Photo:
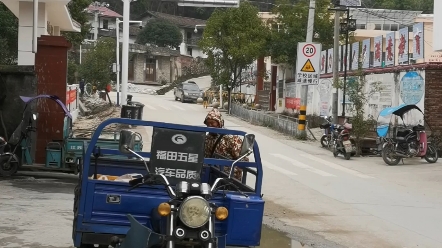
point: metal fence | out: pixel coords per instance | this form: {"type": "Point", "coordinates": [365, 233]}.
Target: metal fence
{"type": "Point", "coordinates": [283, 124]}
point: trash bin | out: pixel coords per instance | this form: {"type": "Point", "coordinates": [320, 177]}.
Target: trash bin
{"type": "Point", "coordinates": [130, 111]}
{"type": "Point", "coordinates": [103, 95]}
{"type": "Point", "coordinates": [140, 106]}
{"type": "Point", "coordinates": [129, 98]}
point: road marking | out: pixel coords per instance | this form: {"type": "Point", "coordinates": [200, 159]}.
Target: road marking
{"type": "Point", "coordinates": [149, 107]}
{"type": "Point", "coordinates": [178, 107]}
{"type": "Point", "coordinates": [166, 108]}
{"type": "Point", "coordinates": [303, 166]}
{"type": "Point", "coordinates": [336, 166]}
{"type": "Point", "coordinates": [276, 168]}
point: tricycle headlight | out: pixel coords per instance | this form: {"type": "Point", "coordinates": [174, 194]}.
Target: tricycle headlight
{"type": "Point", "coordinates": [194, 212]}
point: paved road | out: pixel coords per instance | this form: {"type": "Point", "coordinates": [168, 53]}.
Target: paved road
{"type": "Point", "coordinates": [328, 201]}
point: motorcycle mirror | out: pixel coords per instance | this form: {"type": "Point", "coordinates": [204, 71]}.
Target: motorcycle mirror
{"type": "Point", "coordinates": [126, 144]}
{"type": "Point", "coordinates": [127, 141]}
{"type": "Point", "coordinates": [247, 144]}
{"type": "Point", "coordinates": [34, 117]}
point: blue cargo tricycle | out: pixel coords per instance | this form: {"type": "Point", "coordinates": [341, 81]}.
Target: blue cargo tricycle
{"type": "Point", "coordinates": [169, 197]}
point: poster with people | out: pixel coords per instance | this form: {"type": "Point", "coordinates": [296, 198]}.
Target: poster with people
{"type": "Point", "coordinates": [341, 58]}
{"type": "Point", "coordinates": [347, 59]}
{"type": "Point", "coordinates": [330, 60]}
{"type": "Point", "coordinates": [355, 56]}
{"type": "Point", "coordinates": [365, 53]}
{"type": "Point", "coordinates": [390, 50]}
{"type": "Point", "coordinates": [418, 41]}
{"type": "Point", "coordinates": [403, 46]}
{"type": "Point", "coordinates": [378, 49]}
{"type": "Point", "coordinates": [323, 61]}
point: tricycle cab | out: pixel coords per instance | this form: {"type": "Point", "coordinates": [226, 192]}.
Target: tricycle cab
{"type": "Point", "coordinates": [101, 207]}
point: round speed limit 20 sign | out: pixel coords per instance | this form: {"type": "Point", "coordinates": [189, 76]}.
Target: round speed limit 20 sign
{"type": "Point", "coordinates": [309, 50]}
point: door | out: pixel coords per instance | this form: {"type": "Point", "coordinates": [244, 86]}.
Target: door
{"type": "Point", "coordinates": [149, 72]}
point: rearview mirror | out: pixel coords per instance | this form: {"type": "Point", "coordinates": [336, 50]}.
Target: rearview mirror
{"type": "Point", "coordinates": [126, 144]}
{"type": "Point", "coordinates": [247, 144]}
{"type": "Point", "coordinates": [127, 141]}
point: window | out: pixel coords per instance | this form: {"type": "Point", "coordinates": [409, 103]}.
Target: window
{"type": "Point", "coordinates": [90, 36]}
{"type": "Point", "coordinates": [189, 35]}
{"type": "Point", "coordinates": [360, 26]}
{"type": "Point", "coordinates": [394, 27]}
{"type": "Point", "coordinates": [386, 27]}
{"type": "Point", "coordinates": [105, 24]}
{"type": "Point", "coordinates": [189, 51]}
{"type": "Point", "coordinates": [378, 27]}
{"type": "Point", "coordinates": [191, 87]}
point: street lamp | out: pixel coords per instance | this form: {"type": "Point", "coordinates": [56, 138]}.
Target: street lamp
{"type": "Point", "coordinates": [96, 11]}
{"type": "Point", "coordinates": [198, 25]}
{"type": "Point", "coordinates": [346, 27]}
{"type": "Point", "coordinates": [118, 55]}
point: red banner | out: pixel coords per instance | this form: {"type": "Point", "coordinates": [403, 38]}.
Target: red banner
{"type": "Point", "coordinates": [71, 95]}
{"type": "Point", "coordinates": [292, 103]}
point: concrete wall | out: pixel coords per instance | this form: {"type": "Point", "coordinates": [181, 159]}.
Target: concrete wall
{"type": "Point", "coordinates": [15, 81]}
{"type": "Point", "coordinates": [397, 88]}
{"type": "Point", "coordinates": [139, 66]}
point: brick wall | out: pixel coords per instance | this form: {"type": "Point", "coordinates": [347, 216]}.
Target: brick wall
{"type": "Point", "coordinates": [433, 96]}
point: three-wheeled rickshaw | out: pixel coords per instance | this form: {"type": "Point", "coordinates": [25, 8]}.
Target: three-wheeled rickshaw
{"type": "Point", "coordinates": [401, 132]}
{"type": "Point", "coordinates": [169, 197]}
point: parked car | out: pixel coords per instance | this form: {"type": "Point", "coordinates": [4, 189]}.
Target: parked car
{"type": "Point", "coordinates": [187, 91]}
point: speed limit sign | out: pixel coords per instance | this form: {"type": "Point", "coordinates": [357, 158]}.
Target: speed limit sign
{"type": "Point", "coordinates": [307, 63]}
{"type": "Point", "coordinates": [309, 50]}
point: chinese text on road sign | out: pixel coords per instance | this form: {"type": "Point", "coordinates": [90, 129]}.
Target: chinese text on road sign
{"type": "Point", "coordinates": [307, 64]}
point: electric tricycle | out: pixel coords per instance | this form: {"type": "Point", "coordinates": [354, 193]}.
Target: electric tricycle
{"type": "Point", "coordinates": [408, 138]}
{"type": "Point", "coordinates": [17, 152]}
{"type": "Point", "coordinates": [173, 197]}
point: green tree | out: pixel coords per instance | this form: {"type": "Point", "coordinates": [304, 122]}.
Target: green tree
{"type": "Point", "coordinates": [8, 36]}
{"type": "Point", "coordinates": [161, 33]}
{"type": "Point", "coordinates": [76, 9]}
{"type": "Point", "coordinates": [290, 27]}
{"type": "Point", "coordinates": [96, 66]}
{"type": "Point", "coordinates": [358, 94]}
{"type": "Point", "coordinates": [426, 6]}
{"type": "Point", "coordinates": [233, 39]}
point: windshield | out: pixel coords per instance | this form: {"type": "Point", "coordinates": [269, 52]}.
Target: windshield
{"type": "Point", "coordinates": [191, 87]}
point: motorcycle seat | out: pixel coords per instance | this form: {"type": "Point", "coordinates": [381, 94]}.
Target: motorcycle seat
{"type": "Point", "coordinates": [400, 138]}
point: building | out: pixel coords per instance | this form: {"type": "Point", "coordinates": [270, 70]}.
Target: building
{"type": "Point", "coordinates": [187, 26]}
{"type": "Point", "coordinates": [103, 18]}
{"type": "Point", "coordinates": [53, 18]}
{"type": "Point", "coordinates": [147, 64]}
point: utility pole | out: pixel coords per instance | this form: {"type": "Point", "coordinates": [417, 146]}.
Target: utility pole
{"type": "Point", "coordinates": [125, 52]}
{"type": "Point", "coordinates": [336, 66]}
{"type": "Point", "coordinates": [304, 88]}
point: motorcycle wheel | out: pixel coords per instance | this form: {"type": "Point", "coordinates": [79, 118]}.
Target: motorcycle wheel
{"type": "Point", "coordinates": [347, 155]}
{"type": "Point", "coordinates": [431, 156]}
{"type": "Point", "coordinates": [335, 151]}
{"type": "Point", "coordinates": [387, 158]}
{"type": "Point", "coordinates": [8, 169]}
{"type": "Point", "coordinates": [325, 141]}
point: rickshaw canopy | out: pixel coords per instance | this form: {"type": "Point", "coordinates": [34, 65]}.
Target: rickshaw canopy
{"type": "Point", "coordinates": [386, 114]}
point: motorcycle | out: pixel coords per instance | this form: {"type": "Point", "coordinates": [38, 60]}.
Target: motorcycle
{"type": "Point", "coordinates": [408, 140]}
{"type": "Point", "coordinates": [341, 141]}
{"type": "Point", "coordinates": [190, 215]}
{"type": "Point", "coordinates": [328, 127]}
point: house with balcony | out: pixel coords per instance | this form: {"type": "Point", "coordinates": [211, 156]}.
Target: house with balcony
{"type": "Point", "coordinates": [187, 26]}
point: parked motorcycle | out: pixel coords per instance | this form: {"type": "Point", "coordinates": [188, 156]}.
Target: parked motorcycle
{"type": "Point", "coordinates": [409, 141]}
{"type": "Point", "coordinates": [328, 127]}
{"type": "Point", "coordinates": [341, 141]}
